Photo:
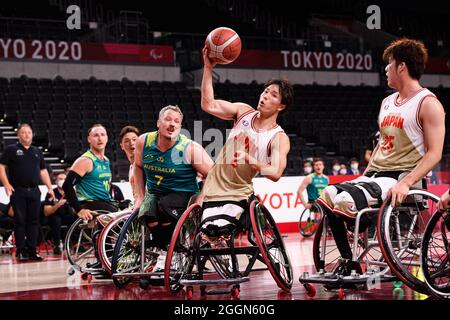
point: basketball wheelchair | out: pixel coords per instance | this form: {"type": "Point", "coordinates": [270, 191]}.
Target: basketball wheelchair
{"type": "Point", "coordinates": [136, 253]}
{"type": "Point", "coordinates": [435, 256]}
{"type": "Point", "coordinates": [89, 244]}
{"type": "Point", "coordinates": [309, 220]}
{"type": "Point", "coordinates": [392, 253]}
{"type": "Point", "coordinates": [190, 251]}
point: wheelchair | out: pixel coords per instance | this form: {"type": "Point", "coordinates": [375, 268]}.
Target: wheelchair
{"type": "Point", "coordinates": [81, 248]}
{"type": "Point", "coordinates": [134, 256]}
{"type": "Point", "coordinates": [309, 220]}
{"type": "Point", "coordinates": [109, 236]}
{"type": "Point", "coordinates": [190, 251]}
{"type": "Point", "coordinates": [390, 254]}
{"type": "Point", "coordinates": [435, 255]}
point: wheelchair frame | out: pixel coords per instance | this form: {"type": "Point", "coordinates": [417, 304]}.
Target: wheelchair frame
{"type": "Point", "coordinates": [390, 259]}
{"type": "Point", "coordinates": [437, 264]}
{"type": "Point", "coordinates": [197, 253]}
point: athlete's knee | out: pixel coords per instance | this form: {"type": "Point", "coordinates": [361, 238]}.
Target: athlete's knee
{"type": "Point", "coordinates": [326, 198]}
{"type": "Point", "coordinates": [345, 205]}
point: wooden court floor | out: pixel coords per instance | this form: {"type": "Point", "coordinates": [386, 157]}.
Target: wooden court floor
{"type": "Point", "coordinates": [49, 280]}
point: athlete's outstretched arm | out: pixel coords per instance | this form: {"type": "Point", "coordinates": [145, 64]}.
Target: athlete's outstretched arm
{"type": "Point", "coordinates": [138, 172]}
{"type": "Point", "coordinates": [220, 108]}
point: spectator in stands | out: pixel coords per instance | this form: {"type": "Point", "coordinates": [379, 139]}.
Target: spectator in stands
{"type": "Point", "coordinates": [307, 167]}
{"type": "Point", "coordinates": [335, 167]}
{"type": "Point", "coordinates": [343, 170]}
{"type": "Point", "coordinates": [371, 144]}
{"type": "Point", "coordinates": [26, 169]}
{"type": "Point", "coordinates": [412, 131]}
{"type": "Point", "coordinates": [314, 183]}
{"type": "Point", "coordinates": [91, 175]}
{"type": "Point", "coordinates": [354, 167]}
{"type": "Point", "coordinates": [58, 213]}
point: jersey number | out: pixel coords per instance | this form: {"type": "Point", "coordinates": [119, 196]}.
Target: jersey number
{"type": "Point", "coordinates": [160, 179]}
{"type": "Point", "coordinates": [107, 185]}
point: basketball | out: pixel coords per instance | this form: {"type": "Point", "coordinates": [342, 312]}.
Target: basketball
{"type": "Point", "coordinates": [224, 45]}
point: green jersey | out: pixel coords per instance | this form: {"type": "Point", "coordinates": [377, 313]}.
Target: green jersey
{"type": "Point", "coordinates": [316, 186]}
{"type": "Point", "coordinates": [168, 171]}
{"type": "Point", "coordinates": [95, 185]}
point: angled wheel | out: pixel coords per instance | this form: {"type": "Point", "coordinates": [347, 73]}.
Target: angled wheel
{"type": "Point", "coordinates": [271, 245]}
{"type": "Point", "coordinates": [436, 255]}
{"type": "Point", "coordinates": [400, 233]}
{"type": "Point", "coordinates": [79, 244]}
{"type": "Point", "coordinates": [180, 258]}
{"type": "Point", "coordinates": [309, 220]}
{"type": "Point", "coordinates": [108, 238]}
{"type": "Point", "coordinates": [128, 254]}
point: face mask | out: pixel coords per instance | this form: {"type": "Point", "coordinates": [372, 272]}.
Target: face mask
{"type": "Point", "coordinates": [336, 168]}
{"type": "Point", "coordinates": [60, 183]}
{"type": "Point", "coordinates": [343, 171]}
{"type": "Point", "coordinates": [307, 170]}
{"type": "Point", "coordinates": [354, 166]}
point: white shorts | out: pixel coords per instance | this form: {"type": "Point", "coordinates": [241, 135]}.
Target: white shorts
{"type": "Point", "coordinates": [229, 209]}
{"type": "Point", "coordinates": [343, 203]}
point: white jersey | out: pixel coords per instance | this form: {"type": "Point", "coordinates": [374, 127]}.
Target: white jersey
{"type": "Point", "coordinates": [228, 182]}
{"type": "Point", "coordinates": [262, 140]}
{"type": "Point", "coordinates": [401, 144]}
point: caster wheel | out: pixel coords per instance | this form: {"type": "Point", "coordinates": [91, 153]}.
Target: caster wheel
{"type": "Point", "coordinates": [84, 276]}
{"type": "Point", "coordinates": [71, 271]}
{"type": "Point", "coordinates": [235, 292]}
{"type": "Point", "coordinates": [341, 293]}
{"type": "Point", "coordinates": [310, 290]}
{"type": "Point", "coordinates": [144, 283]}
{"type": "Point", "coordinates": [189, 293]}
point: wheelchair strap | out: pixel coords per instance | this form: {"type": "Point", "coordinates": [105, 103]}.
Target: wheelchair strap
{"type": "Point", "coordinates": [356, 193]}
{"type": "Point", "coordinates": [235, 221]}
{"type": "Point", "coordinates": [373, 189]}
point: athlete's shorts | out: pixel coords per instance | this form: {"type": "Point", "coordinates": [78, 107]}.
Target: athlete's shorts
{"type": "Point", "coordinates": [99, 205]}
{"type": "Point", "coordinates": [222, 217]}
{"type": "Point", "coordinates": [164, 208]}
{"type": "Point", "coordinates": [343, 203]}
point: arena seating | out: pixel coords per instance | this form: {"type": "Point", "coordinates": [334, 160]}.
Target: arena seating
{"type": "Point", "coordinates": [326, 121]}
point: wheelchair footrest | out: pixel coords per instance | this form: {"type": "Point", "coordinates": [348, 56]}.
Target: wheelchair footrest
{"type": "Point", "coordinates": [217, 291]}
{"type": "Point", "coordinates": [341, 281]}
{"type": "Point", "coordinates": [92, 271]}
{"type": "Point", "coordinates": [149, 275]}
{"type": "Point", "coordinates": [215, 281]}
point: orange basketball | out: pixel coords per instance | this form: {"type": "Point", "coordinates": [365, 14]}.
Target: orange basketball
{"type": "Point", "coordinates": [224, 45]}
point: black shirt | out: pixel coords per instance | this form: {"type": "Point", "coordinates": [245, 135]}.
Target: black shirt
{"type": "Point", "coordinates": [24, 165]}
{"type": "Point", "coordinates": [63, 210]}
